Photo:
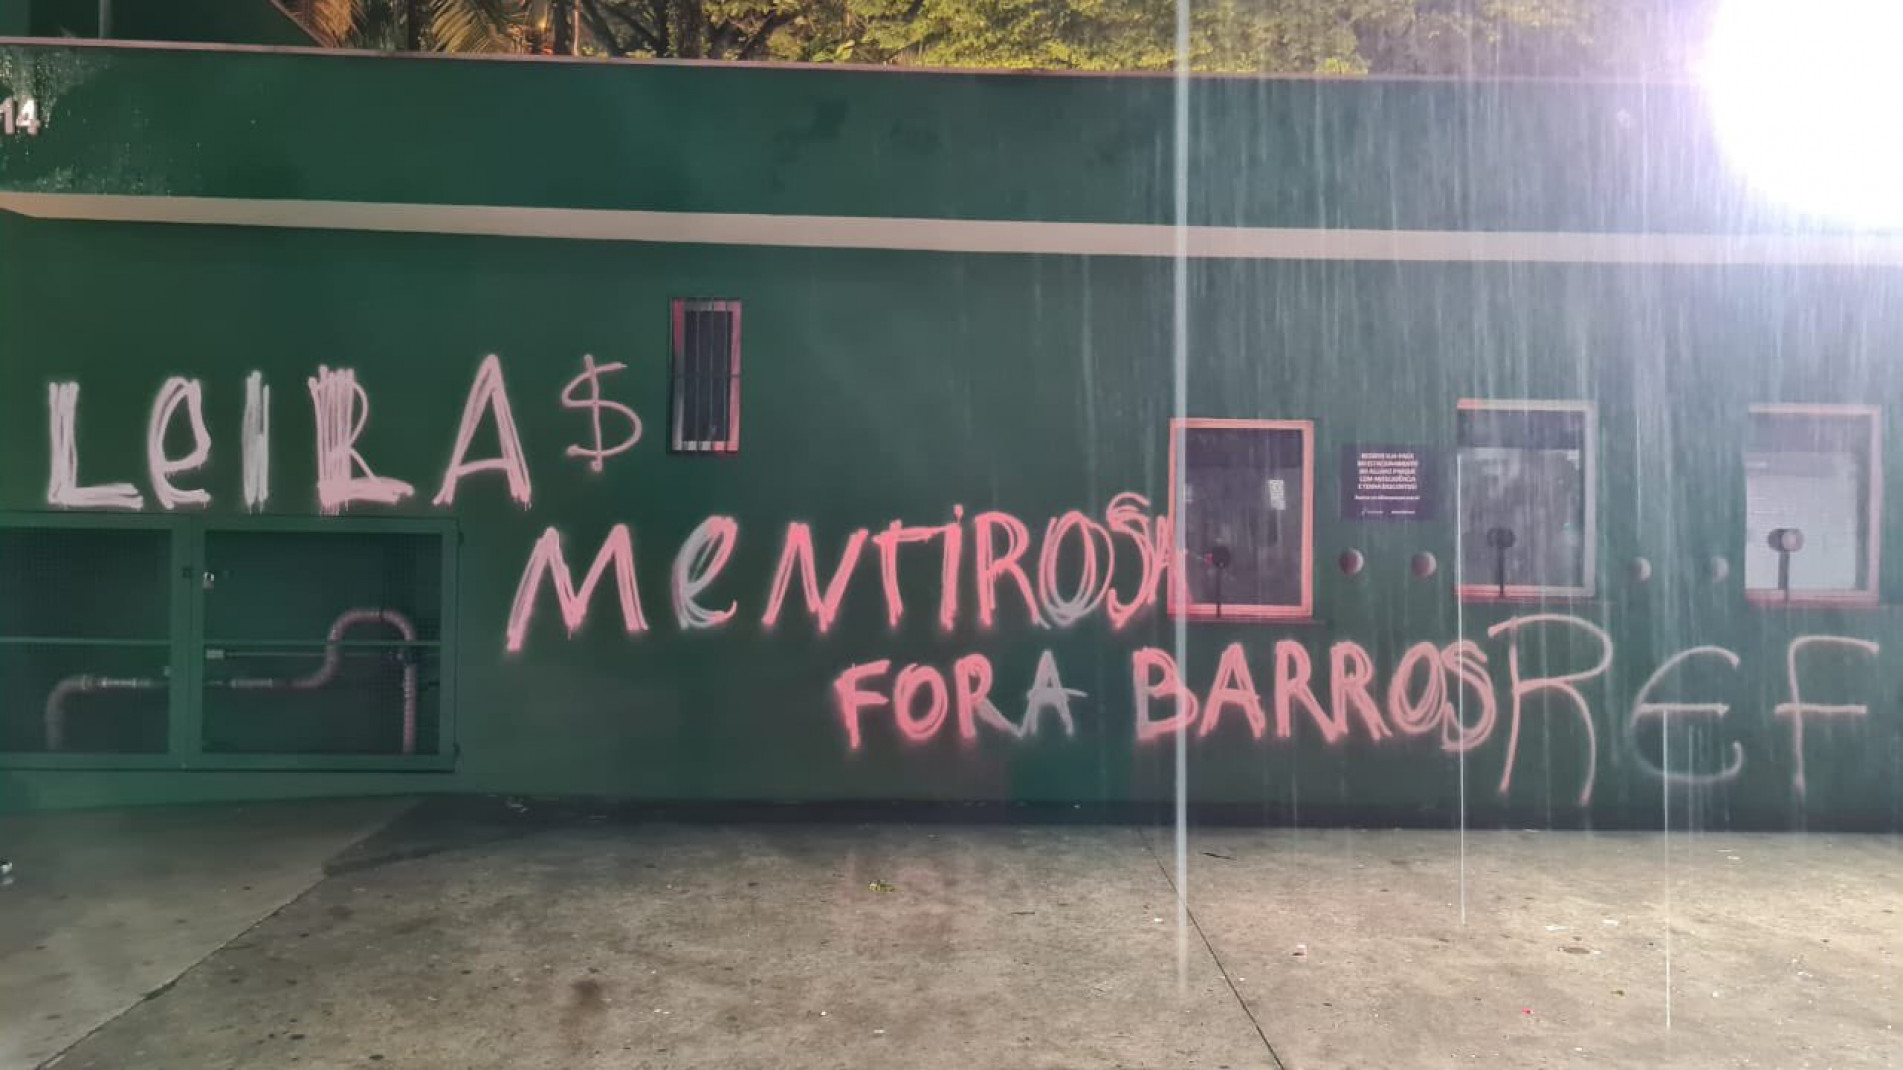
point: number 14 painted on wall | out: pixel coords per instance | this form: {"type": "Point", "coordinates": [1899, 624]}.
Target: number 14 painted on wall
{"type": "Point", "coordinates": [20, 116]}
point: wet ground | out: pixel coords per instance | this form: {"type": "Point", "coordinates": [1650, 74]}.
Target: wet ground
{"type": "Point", "coordinates": [508, 935]}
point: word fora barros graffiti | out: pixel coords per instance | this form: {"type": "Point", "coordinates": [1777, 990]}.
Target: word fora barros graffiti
{"type": "Point", "coordinates": [1439, 695]}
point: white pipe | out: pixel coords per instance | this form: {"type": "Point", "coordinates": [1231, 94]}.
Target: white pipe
{"type": "Point", "coordinates": [334, 658]}
{"type": "Point", "coordinates": [56, 701]}
{"type": "Point", "coordinates": [322, 677]}
{"type": "Point", "coordinates": [333, 661]}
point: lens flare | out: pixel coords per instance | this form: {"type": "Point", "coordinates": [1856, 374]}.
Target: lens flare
{"type": "Point", "coordinates": [1807, 96]}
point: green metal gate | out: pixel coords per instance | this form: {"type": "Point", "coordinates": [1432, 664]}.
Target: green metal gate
{"type": "Point", "coordinates": [139, 642]}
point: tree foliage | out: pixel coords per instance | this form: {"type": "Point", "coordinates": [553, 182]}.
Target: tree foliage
{"type": "Point", "coordinates": [687, 29]}
{"type": "Point", "coordinates": [416, 25]}
{"type": "Point", "coordinates": [1414, 37]}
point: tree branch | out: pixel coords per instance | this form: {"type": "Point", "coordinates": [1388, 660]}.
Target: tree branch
{"type": "Point", "coordinates": [774, 21]}
{"type": "Point", "coordinates": [598, 25]}
{"type": "Point", "coordinates": [664, 26]}
{"type": "Point", "coordinates": [646, 37]}
{"type": "Point", "coordinates": [694, 26]}
{"type": "Point", "coordinates": [414, 19]}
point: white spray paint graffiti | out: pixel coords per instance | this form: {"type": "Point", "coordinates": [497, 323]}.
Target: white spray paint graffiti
{"type": "Point", "coordinates": [703, 554]}
{"type": "Point", "coordinates": [1093, 581]}
{"type": "Point", "coordinates": [1797, 709]}
{"type": "Point", "coordinates": [175, 392]}
{"type": "Point", "coordinates": [257, 442]}
{"type": "Point", "coordinates": [1564, 685]}
{"type": "Point", "coordinates": [1048, 693]}
{"type": "Point", "coordinates": [62, 485]}
{"type": "Point", "coordinates": [1643, 709]}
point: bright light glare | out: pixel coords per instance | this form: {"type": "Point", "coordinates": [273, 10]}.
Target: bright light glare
{"type": "Point", "coordinates": [1808, 99]}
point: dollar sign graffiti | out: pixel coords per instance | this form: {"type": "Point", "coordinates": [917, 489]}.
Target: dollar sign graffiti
{"type": "Point", "coordinates": [591, 378]}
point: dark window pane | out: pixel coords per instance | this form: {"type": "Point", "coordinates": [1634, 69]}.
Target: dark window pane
{"type": "Point", "coordinates": [1523, 476]}
{"type": "Point", "coordinates": [1242, 504]}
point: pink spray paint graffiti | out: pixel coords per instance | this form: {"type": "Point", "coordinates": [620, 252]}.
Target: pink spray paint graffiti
{"type": "Point", "coordinates": [1066, 569]}
{"type": "Point", "coordinates": [1292, 671]}
{"type": "Point", "coordinates": [887, 542]}
{"type": "Point", "coordinates": [591, 374]}
{"type": "Point", "coordinates": [488, 394]}
{"type": "Point", "coordinates": [796, 555]}
{"type": "Point", "coordinates": [1448, 694]}
{"type": "Point", "coordinates": [1234, 686]}
{"type": "Point", "coordinates": [1129, 516]}
{"type": "Point", "coordinates": [617, 552]}
{"type": "Point", "coordinates": [1154, 677]}
{"type": "Point", "coordinates": [968, 693]}
{"type": "Point", "coordinates": [342, 410]}
{"type": "Point", "coordinates": [994, 565]}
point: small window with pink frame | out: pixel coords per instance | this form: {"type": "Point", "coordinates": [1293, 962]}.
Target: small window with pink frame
{"type": "Point", "coordinates": [1812, 482]}
{"type": "Point", "coordinates": [1524, 480]}
{"type": "Point", "coordinates": [1243, 512]}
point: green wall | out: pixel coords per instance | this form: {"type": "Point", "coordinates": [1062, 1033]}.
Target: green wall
{"type": "Point", "coordinates": [899, 385]}
{"type": "Point", "coordinates": [1490, 156]}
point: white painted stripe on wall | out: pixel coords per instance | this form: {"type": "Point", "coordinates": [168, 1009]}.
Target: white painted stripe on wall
{"type": "Point", "coordinates": [976, 235]}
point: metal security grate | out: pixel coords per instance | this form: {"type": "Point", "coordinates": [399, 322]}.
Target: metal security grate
{"type": "Point", "coordinates": [322, 642]}
{"type": "Point", "coordinates": [705, 379]}
{"type": "Point", "coordinates": [368, 692]}
{"type": "Point", "coordinates": [85, 617]}
{"type": "Point", "coordinates": [295, 586]}
{"type": "Point", "coordinates": [84, 583]}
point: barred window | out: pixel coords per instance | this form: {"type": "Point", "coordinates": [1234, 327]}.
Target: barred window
{"type": "Point", "coordinates": [706, 377]}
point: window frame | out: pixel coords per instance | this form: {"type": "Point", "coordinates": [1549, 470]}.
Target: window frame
{"type": "Point", "coordinates": [677, 353]}
{"type": "Point", "coordinates": [1589, 556]}
{"type": "Point", "coordinates": [1870, 594]}
{"type": "Point", "coordinates": [1178, 599]}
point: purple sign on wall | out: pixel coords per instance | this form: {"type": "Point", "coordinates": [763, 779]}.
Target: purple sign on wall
{"type": "Point", "coordinates": [1387, 483]}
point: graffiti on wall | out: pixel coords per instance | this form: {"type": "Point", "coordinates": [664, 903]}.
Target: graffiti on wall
{"type": "Point", "coordinates": [1451, 697]}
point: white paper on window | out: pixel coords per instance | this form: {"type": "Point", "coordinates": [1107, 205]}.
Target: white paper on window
{"type": "Point", "coordinates": [1819, 494]}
